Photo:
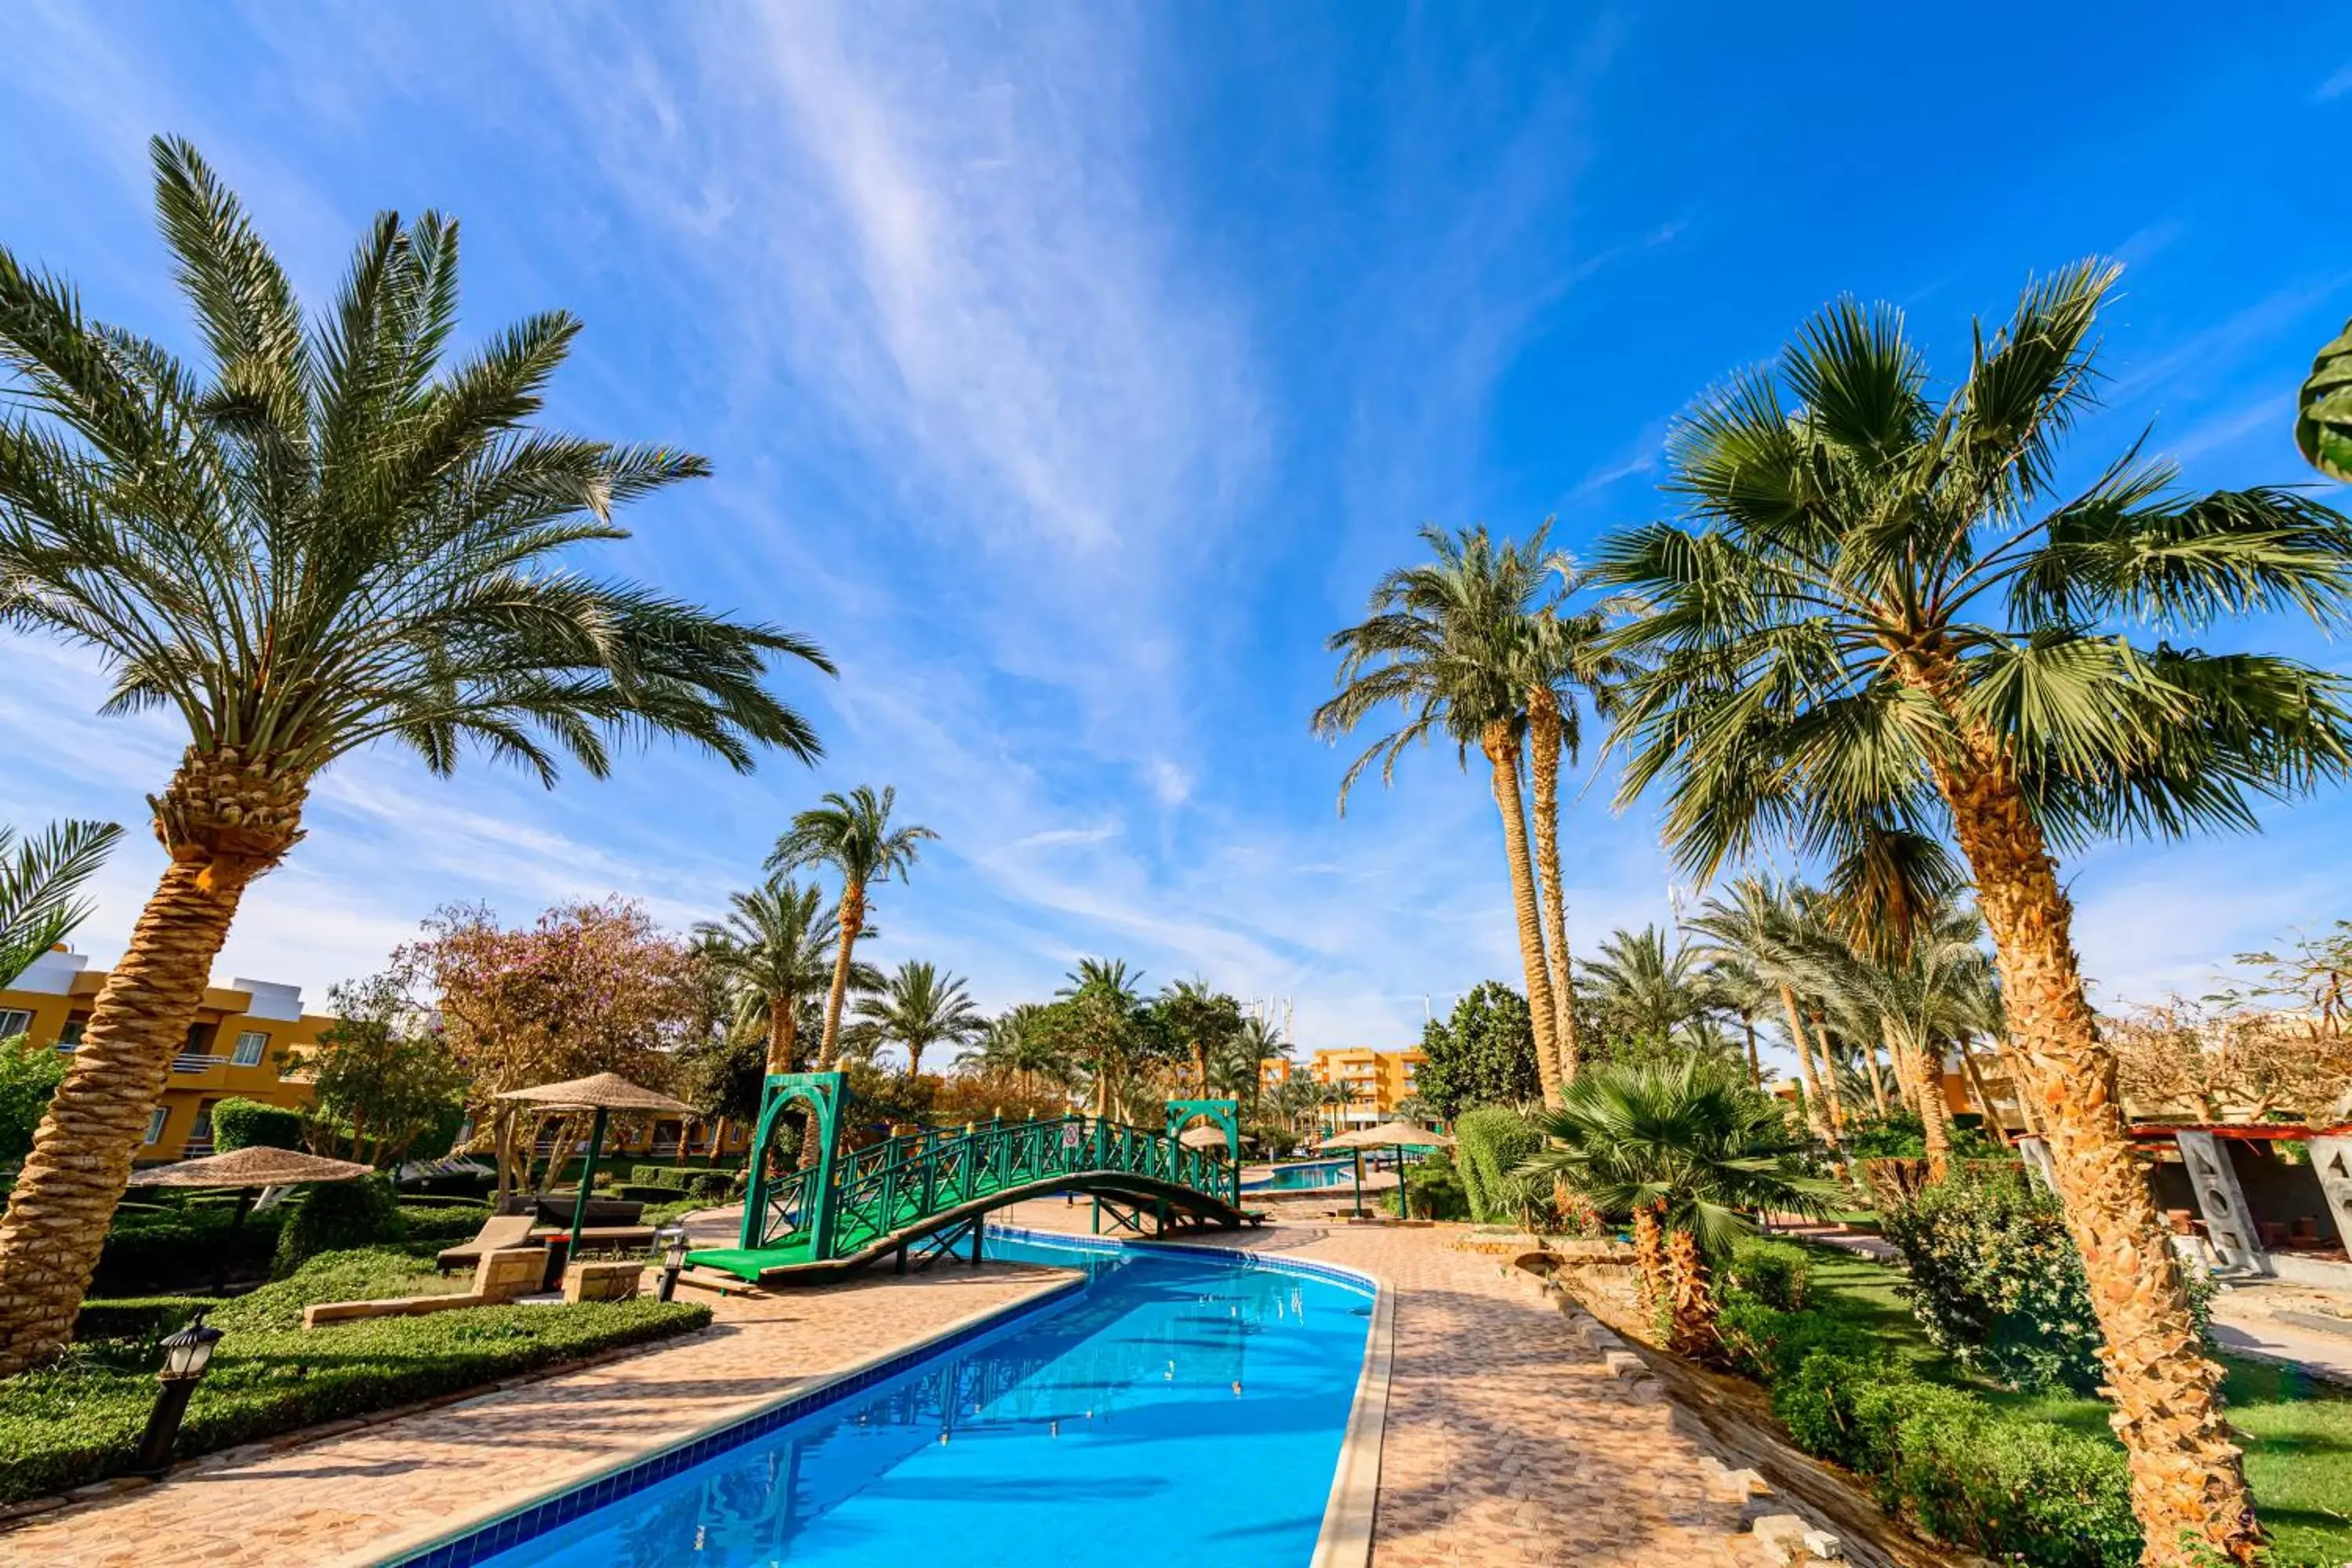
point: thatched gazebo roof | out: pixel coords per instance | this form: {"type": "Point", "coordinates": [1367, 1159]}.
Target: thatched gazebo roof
{"type": "Point", "coordinates": [254, 1167]}
{"type": "Point", "coordinates": [1389, 1135]}
{"type": "Point", "coordinates": [1203, 1138]}
{"type": "Point", "coordinates": [599, 1091]}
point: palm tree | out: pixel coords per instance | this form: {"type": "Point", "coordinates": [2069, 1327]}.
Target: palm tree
{"type": "Point", "coordinates": [1452, 643]}
{"type": "Point", "coordinates": [919, 1007]}
{"type": "Point", "coordinates": [1878, 608]}
{"type": "Point", "coordinates": [852, 834]}
{"type": "Point", "coordinates": [1756, 926]}
{"type": "Point", "coordinates": [1683, 1147]}
{"type": "Point", "coordinates": [1238, 1068]}
{"type": "Point", "coordinates": [1014, 1043]}
{"type": "Point", "coordinates": [39, 879]}
{"type": "Point", "coordinates": [1203, 1020]}
{"type": "Point", "coordinates": [1650, 990]}
{"type": "Point", "coordinates": [2323, 425]}
{"type": "Point", "coordinates": [324, 536]}
{"type": "Point", "coordinates": [775, 950]}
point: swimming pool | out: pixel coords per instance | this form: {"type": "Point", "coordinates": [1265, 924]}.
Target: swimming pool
{"type": "Point", "coordinates": [1179, 1399]}
{"type": "Point", "coordinates": [1302, 1178]}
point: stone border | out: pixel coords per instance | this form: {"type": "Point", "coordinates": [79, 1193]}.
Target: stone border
{"type": "Point", "coordinates": [482, 1533]}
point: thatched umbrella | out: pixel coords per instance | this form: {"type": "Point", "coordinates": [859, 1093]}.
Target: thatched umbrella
{"type": "Point", "coordinates": [247, 1169]}
{"type": "Point", "coordinates": [602, 1093]}
{"type": "Point", "coordinates": [1397, 1135]}
{"type": "Point", "coordinates": [1203, 1138]}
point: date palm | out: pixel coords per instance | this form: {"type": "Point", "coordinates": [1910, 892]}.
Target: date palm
{"type": "Point", "coordinates": [918, 1007]}
{"type": "Point", "coordinates": [853, 834]}
{"type": "Point", "coordinates": [1201, 1019]}
{"type": "Point", "coordinates": [1684, 1148]}
{"type": "Point", "coordinates": [1451, 642]}
{"type": "Point", "coordinates": [1013, 1043]}
{"type": "Point", "coordinates": [326, 533]}
{"type": "Point", "coordinates": [1648, 987]}
{"type": "Point", "coordinates": [2323, 423]}
{"type": "Point", "coordinates": [775, 950]}
{"type": "Point", "coordinates": [40, 879]}
{"type": "Point", "coordinates": [1756, 926]}
{"type": "Point", "coordinates": [1880, 607]}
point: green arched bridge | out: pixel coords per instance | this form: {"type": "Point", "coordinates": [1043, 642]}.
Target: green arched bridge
{"type": "Point", "coordinates": [921, 1195]}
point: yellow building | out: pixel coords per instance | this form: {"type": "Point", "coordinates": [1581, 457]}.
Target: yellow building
{"type": "Point", "coordinates": [1377, 1082]}
{"type": "Point", "coordinates": [246, 1040]}
{"type": "Point", "coordinates": [1275, 1072]}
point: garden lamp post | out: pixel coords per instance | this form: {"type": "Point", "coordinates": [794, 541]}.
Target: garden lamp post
{"type": "Point", "coordinates": [186, 1354]}
{"type": "Point", "coordinates": [671, 1239]}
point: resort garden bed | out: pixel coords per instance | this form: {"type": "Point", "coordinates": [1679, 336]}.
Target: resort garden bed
{"type": "Point", "coordinates": [1855, 1379]}
{"type": "Point", "coordinates": [79, 1420]}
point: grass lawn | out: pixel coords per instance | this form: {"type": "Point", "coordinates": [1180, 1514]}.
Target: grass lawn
{"type": "Point", "coordinates": [2297, 1432]}
{"type": "Point", "coordinates": [79, 1419]}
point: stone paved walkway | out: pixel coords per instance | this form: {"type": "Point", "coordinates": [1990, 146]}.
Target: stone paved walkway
{"type": "Point", "coordinates": [1509, 1445]}
{"type": "Point", "coordinates": [360, 1496]}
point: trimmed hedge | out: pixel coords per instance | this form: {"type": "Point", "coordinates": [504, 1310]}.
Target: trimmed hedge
{"type": "Point", "coordinates": [148, 1252]}
{"type": "Point", "coordinates": [693, 1181]}
{"type": "Point", "coordinates": [441, 1223]}
{"type": "Point", "coordinates": [1775, 1273]}
{"type": "Point", "coordinates": [1493, 1141]}
{"type": "Point", "coordinates": [79, 1419]}
{"type": "Point", "coordinates": [334, 1216]}
{"type": "Point", "coordinates": [250, 1124]}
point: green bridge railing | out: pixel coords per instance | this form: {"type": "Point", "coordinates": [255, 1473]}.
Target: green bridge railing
{"type": "Point", "coordinates": [852, 1198]}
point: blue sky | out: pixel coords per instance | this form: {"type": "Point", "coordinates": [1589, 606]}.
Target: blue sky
{"type": "Point", "coordinates": [1070, 371]}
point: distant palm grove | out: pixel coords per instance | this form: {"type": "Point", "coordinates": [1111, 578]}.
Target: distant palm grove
{"type": "Point", "coordinates": [1876, 677]}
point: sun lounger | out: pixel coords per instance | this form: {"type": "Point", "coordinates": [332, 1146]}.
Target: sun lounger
{"type": "Point", "coordinates": [498, 1232]}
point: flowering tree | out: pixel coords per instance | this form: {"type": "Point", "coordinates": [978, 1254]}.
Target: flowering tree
{"type": "Point", "coordinates": [585, 988]}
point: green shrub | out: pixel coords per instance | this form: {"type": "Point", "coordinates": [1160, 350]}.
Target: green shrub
{"type": "Point", "coordinates": [1776, 1273]}
{"type": "Point", "coordinates": [79, 1419]}
{"type": "Point", "coordinates": [335, 1215]}
{"type": "Point", "coordinates": [1997, 1284]}
{"type": "Point", "coordinates": [1768, 1343]}
{"type": "Point", "coordinates": [419, 1223]}
{"type": "Point", "coordinates": [250, 1124]}
{"type": "Point", "coordinates": [1435, 1189]}
{"type": "Point", "coordinates": [692, 1180]}
{"type": "Point", "coordinates": [1493, 1141]}
{"type": "Point", "coordinates": [147, 1251]}
{"type": "Point", "coordinates": [145, 1319]}
{"type": "Point", "coordinates": [29, 1077]}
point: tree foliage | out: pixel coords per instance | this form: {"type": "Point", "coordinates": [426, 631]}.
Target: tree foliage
{"type": "Point", "coordinates": [40, 880]}
{"type": "Point", "coordinates": [383, 1075]}
{"type": "Point", "coordinates": [1483, 1053]}
{"type": "Point", "coordinates": [29, 1075]}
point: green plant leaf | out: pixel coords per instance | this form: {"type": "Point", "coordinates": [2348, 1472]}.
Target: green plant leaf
{"type": "Point", "coordinates": [2323, 426]}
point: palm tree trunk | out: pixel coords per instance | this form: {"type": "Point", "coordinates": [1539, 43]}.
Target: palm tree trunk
{"type": "Point", "coordinates": [852, 915]}
{"type": "Point", "coordinates": [1502, 748]}
{"type": "Point", "coordinates": [1649, 1258]}
{"type": "Point", "coordinates": [2189, 1486]}
{"type": "Point", "coordinates": [1815, 1116]}
{"type": "Point", "coordinates": [1755, 1063]}
{"type": "Point", "coordinates": [1690, 1319]}
{"type": "Point", "coordinates": [1829, 1076]}
{"type": "Point", "coordinates": [63, 1197]}
{"type": "Point", "coordinates": [1544, 742]}
{"type": "Point", "coordinates": [1934, 1115]}
{"type": "Point", "coordinates": [782, 1027]}
{"type": "Point", "coordinates": [914, 1058]}
{"type": "Point", "coordinates": [1877, 1082]}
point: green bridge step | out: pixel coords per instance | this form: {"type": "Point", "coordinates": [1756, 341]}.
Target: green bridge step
{"type": "Point", "coordinates": [748, 1263]}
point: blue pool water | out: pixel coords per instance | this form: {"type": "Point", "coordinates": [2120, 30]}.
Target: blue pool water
{"type": "Point", "coordinates": [1179, 1406]}
{"type": "Point", "coordinates": [1304, 1178]}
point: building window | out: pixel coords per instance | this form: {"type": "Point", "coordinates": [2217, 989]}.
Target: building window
{"type": "Point", "coordinates": [155, 1125]}
{"type": "Point", "coordinates": [14, 1021]}
{"type": "Point", "coordinates": [70, 1036]}
{"type": "Point", "coordinates": [249, 1047]}
{"type": "Point", "coordinates": [200, 1131]}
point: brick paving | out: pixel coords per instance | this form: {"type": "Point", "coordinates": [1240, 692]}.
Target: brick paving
{"type": "Point", "coordinates": [363, 1495]}
{"type": "Point", "coordinates": [1509, 1445]}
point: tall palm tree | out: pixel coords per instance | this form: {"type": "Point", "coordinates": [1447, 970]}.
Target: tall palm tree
{"type": "Point", "coordinates": [919, 1007]}
{"type": "Point", "coordinates": [1013, 1043]}
{"type": "Point", "coordinates": [1448, 641]}
{"type": "Point", "coordinates": [1756, 925]}
{"type": "Point", "coordinates": [1683, 1147]}
{"type": "Point", "coordinates": [1238, 1068]}
{"type": "Point", "coordinates": [1650, 988]}
{"type": "Point", "coordinates": [40, 879]}
{"type": "Point", "coordinates": [1203, 1020]}
{"type": "Point", "coordinates": [851, 833]}
{"type": "Point", "coordinates": [325, 535]}
{"type": "Point", "coordinates": [776, 949]}
{"type": "Point", "coordinates": [1878, 607]}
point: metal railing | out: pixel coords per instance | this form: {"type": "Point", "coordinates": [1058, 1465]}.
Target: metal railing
{"type": "Point", "coordinates": [197, 1061]}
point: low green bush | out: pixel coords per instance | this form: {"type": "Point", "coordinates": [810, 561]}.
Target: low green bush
{"type": "Point", "coordinates": [1997, 1284]}
{"type": "Point", "coordinates": [1776, 1273]}
{"type": "Point", "coordinates": [2007, 1487]}
{"type": "Point", "coordinates": [334, 1216]}
{"type": "Point", "coordinates": [250, 1124]}
{"type": "Point", "coordinates": [1493, 1141]}
{"type": "Point", "coordinates": [440, 1223]}
{"type": "Point", "coordinates": [141, 1318]}
{"type": "Point", "coordinates": [1434, 1188]}
{"type": "Point", "coordinates": [692, 1180]}
{"type": "Point", "coordinates": [79, 1419]}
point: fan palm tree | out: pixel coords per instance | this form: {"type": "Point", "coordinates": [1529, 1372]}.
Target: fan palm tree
{"type": "Point", "coordinates": [40, 880]}
{"type": "Point", "coordinates": [1683, 1147]}
{"type": "Point", "coordinates": [1451, 642]}
{"type": "Point", "coordinates": [919, 1007]}
{"type": "Point", "coordinates": [1880, 608]}
{"type": "Point", "coordinates": [776, 949]}
{"type": "Point", "coordinates": [324, 536]}
{"type": "Point", "coordinates": [853, 834]}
